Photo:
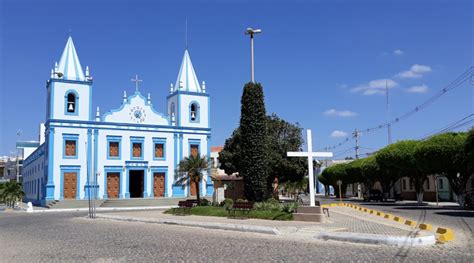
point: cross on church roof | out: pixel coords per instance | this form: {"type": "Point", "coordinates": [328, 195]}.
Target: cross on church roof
{"type": "Point", "coordinates": [136, 80]}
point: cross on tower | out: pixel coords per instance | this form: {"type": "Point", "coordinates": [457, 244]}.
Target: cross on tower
{"type": "Point", "coordinates": [136, 80]}
{"type": "Point", "coordinates": [310, 154]}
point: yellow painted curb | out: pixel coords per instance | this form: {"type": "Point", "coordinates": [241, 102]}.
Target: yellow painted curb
{"type": "Point", "coordinates": [428, 227]}
{"type": "Point", "coordinates": [360, 208]}
{"type": "Point", "coordinates": [445, 234]}
{"type": "Point", "coordinates": [410, 223]}
{"type": "Point", "coordinates": [371, 211]}
{"type": "Point", "coordinates": [380, 213]}
{"type": "Point", "coordinates": [398, 219]}
{"type": "Point", "coordinates": [388, 216]}
{"type": "Point", "coordinates": [365, 209]}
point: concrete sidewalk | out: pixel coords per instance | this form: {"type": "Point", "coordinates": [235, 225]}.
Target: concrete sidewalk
{"type": "Point", "coordinates": [341, 226]}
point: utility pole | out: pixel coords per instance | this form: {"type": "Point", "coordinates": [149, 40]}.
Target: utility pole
{"type": "Point", "coordinates": [251, 32]}
{"type": "Point", "coordinates": [356, 136]}
{"type": "Point", "coordinates": [18, 134]}
{"type": "Point", "coordinates": [387, 107]}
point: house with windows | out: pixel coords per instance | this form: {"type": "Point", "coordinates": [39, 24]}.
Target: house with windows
{"type": "Point", "coordinates": [128, 152]}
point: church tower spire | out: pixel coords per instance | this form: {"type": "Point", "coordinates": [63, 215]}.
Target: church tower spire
{"type": "Point", "coordinates": [187, 79]}
{"type": "Point", "coordinates": [69, 66]}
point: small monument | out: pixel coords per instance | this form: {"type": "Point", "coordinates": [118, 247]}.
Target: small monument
{"type": "Point", "coordinates": [310, 213]}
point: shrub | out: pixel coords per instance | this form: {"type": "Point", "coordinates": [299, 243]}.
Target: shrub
{"type": "Point", "coordinates": [227, 203]}
{"type": "Point", "coordinates": [290, 207]}
{"type": "Point", "coordinates": [204, 202]}
{"type": "Point", "coordinates": [270, 204]}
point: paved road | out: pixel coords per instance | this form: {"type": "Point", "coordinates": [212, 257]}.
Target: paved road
{"type": "Point", "coordinates": [72, 237]}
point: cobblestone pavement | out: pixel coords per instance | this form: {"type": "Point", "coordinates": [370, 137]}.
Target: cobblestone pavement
{"type": "Point", "coordinates": [71, 237]}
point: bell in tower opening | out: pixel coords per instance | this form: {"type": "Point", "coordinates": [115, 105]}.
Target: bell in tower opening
{"type": "Point", "coordinates": [71, 103]}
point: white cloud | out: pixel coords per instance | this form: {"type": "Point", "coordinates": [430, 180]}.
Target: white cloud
{"type": "Point", "coordinates": [416, 71]}
{"type": "Point", "coordinates": [398, 52]}
{"type": "Point", "coordinates": [418, 89]}
{"type": "Point", "coordinates": [338, 134]}
{"type": "Point", "coordinates": [376, 86]}
{"type": "Point", "coordinates": [340, 113]}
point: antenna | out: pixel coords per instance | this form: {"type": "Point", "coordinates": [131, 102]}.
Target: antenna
{"type": "Point", "coordinates": [186, 34]}
{"type": "Point", "coordinates": [387, 108]}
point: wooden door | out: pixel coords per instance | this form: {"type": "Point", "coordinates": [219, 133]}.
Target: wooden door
{"type": "Point", "coordinates": [192, 184]}
{"type": "Point", "coordinates": [113, 185]}
{"type": "Point", "coordinates": [159, 184]}
{"type": "Point", "coordinates": [69, 187]}
{"type": "Point", "coordinates": [194, 150]}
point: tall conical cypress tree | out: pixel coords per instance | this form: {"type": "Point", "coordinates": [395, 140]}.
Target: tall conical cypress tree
{"type": "Point", "coordinates": [253, 142]}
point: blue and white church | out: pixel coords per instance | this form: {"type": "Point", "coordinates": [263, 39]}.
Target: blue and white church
{"type": "Point", "coordinates": [131, 151]}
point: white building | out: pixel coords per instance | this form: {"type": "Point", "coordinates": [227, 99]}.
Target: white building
{"type": "Point", "coordinates": [133, 150]}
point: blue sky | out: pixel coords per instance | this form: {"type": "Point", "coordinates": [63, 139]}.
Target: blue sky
{"type": "Point", "coordinates": [323, 64]}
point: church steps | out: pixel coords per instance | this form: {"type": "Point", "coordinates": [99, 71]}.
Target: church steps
{"type": "Point", "coordinates": [136, 202]}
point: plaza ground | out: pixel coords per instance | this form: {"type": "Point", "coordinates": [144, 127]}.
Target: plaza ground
{"type": "Point", "coordinates": [73, 237]}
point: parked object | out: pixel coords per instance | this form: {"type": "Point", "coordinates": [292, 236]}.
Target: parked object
{"type": "Point", "coordinates": [469, 201]}
{"type": "Point", "coordinates": [244, 207]}
{"type": "Point", "coordinates": [373, 194]}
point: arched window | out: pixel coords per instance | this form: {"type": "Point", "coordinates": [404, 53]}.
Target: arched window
{"type": "Point", "coordinates": [172, 113]}
{"type": "Point", "coordinates": [194, 112]}
{"type": "Point", "coordinates": [71, 103]}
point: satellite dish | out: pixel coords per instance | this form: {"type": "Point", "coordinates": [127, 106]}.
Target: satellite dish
{"type": "Point", "coordinates": [59, 74]}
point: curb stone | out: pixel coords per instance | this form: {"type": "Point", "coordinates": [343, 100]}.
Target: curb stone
{"type": "Point", "coordinates": [220, 226]}
{"type": "Point", "coordinates": [378, 239]}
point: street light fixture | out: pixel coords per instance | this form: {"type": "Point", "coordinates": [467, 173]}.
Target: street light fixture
{"type": "Point", "coordinates": [250, 31]}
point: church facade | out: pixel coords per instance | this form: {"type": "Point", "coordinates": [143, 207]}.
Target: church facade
{"type": "Point", "coordinates": [128, 152]}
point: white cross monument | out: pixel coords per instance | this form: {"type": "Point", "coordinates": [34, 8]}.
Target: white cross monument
{"type": "Point", "coordinates": [311, 155]}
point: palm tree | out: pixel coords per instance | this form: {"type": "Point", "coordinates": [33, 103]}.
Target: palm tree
{"type": "Point", "coordinates": [191, 169]}
{"type": "Point", "coordinates": [11, 193]}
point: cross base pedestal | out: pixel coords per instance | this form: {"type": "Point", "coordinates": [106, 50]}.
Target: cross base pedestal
{"type": "Point", "coordinates": [309, 214]}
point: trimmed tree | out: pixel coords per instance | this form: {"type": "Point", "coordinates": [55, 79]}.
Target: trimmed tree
{"type": "Point", "coordinates": [334, 173]}
{"type": "Point", "coordinates": [370, 172]}
{"type": "Point", "coordinates": [398, 160]}
{"type": "Point", "coordinates": [469, 149]}
{"type": "Point", "coordinates": [444, 154]}
{"type": "Point", "coordinates": [253, 130]}
{"type": "Point", "coordinates": [282, 137]}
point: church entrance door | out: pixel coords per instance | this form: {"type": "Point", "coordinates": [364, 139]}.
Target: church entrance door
{"type": "Point", "coordinates": [136, 180]}
{"type": "Point", "coordinates": [159, 184]}
{"type": "Point", "coordinates": [113, 185]}
{"type": "Point", "coordinates": [69, 187]}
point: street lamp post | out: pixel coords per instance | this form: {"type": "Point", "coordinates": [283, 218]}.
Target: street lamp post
{"type": "Point", "coordinates": [250, 31]}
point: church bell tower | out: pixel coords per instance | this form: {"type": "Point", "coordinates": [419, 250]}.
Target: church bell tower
{"type": "Point", "coordinates": [188, 102]}
{"type": "Point", "coordinates": [69, 89]}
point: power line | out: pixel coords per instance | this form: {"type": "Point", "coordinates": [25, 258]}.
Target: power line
{"type": "Point", "coordinates": [465, 76]}
{"type": "Point", "coordinates": [466, 120]}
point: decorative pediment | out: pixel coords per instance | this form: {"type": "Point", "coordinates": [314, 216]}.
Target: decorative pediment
{"type": "Point", "coordinates": [137, 110]}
